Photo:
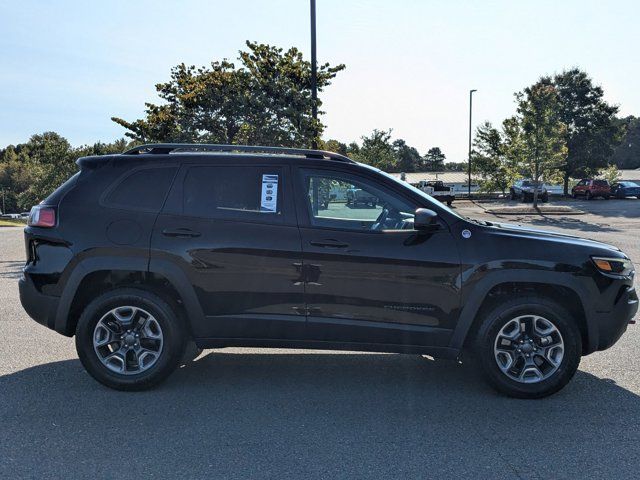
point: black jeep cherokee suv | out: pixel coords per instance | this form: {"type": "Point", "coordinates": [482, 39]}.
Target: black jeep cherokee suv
{"type": "Point", "coordinates": [139, 255]}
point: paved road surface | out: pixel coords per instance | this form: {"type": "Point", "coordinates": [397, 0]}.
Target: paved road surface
{"type": "Point", "coordinates": [251, 413]}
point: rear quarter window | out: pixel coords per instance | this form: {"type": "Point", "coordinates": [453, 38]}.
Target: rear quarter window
{"type": "Point", "coordinates": [142, 189]}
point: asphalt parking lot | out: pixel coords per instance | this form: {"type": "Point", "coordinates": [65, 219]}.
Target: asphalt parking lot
{"type": "Point", "coordinates": [258, 413]}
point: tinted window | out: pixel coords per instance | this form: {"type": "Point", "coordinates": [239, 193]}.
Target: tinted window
{"type": "Point", "coordinates": [144, 189]}
{"type": "Point", "coordinates": [600, 183]}
{"type": "Point", "coordinates": [234, 192]}
{"type": "Point", "coordinates": [345, 201]}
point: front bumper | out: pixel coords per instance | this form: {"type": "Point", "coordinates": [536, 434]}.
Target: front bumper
{"type": "Point", "coordinates": [613, 324]}
{"type": "Point", "coordinates": [42, 308]}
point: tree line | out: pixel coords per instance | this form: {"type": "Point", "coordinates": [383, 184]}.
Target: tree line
{"type": "Point", "coordinates": [562, 129]}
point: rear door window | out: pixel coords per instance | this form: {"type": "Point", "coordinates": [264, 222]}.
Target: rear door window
{"type": "Point", "coordinates": [244, 192]}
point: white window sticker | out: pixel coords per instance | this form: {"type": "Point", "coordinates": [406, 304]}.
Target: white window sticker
{"type": "Point", "coordinates": [269, 200]}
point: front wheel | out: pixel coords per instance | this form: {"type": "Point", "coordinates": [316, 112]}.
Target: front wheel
{"type": "Point", "coordinates": [529, 347]}
{"type": "Point", "coordinates": [589, 196]}
{"type": "Point", "coordinates": [130, 339]}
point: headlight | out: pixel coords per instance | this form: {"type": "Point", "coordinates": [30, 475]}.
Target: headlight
{"type": "Point", "coordinates": [615, 266]}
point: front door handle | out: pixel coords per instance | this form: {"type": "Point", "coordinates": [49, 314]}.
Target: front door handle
{"type": "Point", "coordinates": [328, 243]}
{"type": "Point", "coordinates": [181, 233]}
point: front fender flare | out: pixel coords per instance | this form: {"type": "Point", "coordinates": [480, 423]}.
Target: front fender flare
{"type": "Point", "coordinates": [480, 290]}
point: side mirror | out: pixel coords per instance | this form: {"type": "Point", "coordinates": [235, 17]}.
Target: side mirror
{"type": "Point", "coordinates": [425, 220]}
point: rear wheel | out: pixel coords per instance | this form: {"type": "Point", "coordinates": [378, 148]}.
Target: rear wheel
{"type": "Point", "coordinates": [512, 194]}
{"type": "Point", "coordinates": [589, 196]}
{"type": "Point", "coordinates": [529, 347]}
{"type": "Point", "coordinates": [130, 339]}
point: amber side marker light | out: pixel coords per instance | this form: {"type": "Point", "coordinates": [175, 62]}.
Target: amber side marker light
{"type": "Point", "coordinates": [614, 266]}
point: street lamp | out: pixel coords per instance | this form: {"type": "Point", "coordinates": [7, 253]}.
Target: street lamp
{"type": "Point", "coordinates": [469, 165]}
{"type": "Point", "coordinates": [314, 76]}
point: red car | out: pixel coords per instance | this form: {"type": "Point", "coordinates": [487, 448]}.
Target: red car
{"type": "Point", "coordinates": [591, 189]}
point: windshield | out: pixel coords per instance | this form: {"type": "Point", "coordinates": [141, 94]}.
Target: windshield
{"type": "Point", "coordinates": [428, 198]}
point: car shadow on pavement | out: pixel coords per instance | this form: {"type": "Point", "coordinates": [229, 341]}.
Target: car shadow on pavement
{"type": "Point", "coordinates": [11, 269]}
{"type": "Point", "coordinates": [312, 415]}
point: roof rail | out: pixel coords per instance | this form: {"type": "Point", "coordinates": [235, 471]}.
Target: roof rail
{"type": "Point", "coordinates": [165, 148]}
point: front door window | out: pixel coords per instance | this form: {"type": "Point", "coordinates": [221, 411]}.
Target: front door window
{"type": "Point", "coordinates": [340, 200]}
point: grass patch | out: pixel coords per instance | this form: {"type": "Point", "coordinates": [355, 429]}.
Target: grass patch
{"type": "Point", "coordinates": [12, 222]}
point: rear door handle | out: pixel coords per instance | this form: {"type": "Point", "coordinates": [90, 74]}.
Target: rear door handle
{"type": "Point", "coordinates": [181, 232]}
{"type": "Point", "coordinates": [328, 243]}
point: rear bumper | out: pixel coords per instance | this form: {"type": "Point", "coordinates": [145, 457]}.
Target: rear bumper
{"type": "Point", "coordinates": [42, 308]}
{"type": "Point", "coordinates": [613, 324]}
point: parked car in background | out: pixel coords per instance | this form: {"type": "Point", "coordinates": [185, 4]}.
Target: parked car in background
{"type": "Point", "coordinates": [625, 189]}
{"type": "Point", "coordinates": [438, 190]}
{"type": "Point", "coordinates": [357, 196]}
{"type": "Point", "coordinates": [590, 188]}
{"type": "Point", "coordinates": [524, 190]}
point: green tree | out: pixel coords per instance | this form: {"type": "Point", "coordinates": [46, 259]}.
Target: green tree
{"type": "Point", "coordinates": [334, 146]}
{"type": "Point", "coordinates": [266, 100]}
{"type": "Point", "coordinates": [51, 161]}
{"type": "Point", "coordinates": [434, 159]}
{"type": "Point", "coordinates": [377, 150]}
{"type": "Point", "coordinates": [490, 160]}
{"type": "Point", "coordinates": [627, 154]}
{"type": "Point", "coordinates": [610, 174]}
{"type": "Point", "coordinates": [30, 171]}
{"type": "Point", "coordinates": [408, 158]}
{"type": "Point", "coordinates": [543, 135]}
{"type": "Point", "coordinates": [455, 167]}
{"type": "Point", "coordinates": [592, 132]}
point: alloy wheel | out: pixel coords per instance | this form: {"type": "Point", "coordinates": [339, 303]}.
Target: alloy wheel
{"type": "Point", "coordinates": [529, 349]}
{"type": "Point", "coordinates": [128, 340]}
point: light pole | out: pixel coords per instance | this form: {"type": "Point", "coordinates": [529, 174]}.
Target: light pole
{"type": "Point", "coordinates": [469, 158]}
{"type": "Point", "coordinates": [314, 76]}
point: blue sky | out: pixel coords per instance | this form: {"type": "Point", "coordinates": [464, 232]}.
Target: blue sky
{"type": "Point", "coordinates": [68, 66]}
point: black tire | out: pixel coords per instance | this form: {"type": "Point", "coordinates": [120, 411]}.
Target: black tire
{"type": "Point", "coordinates": [173, 332]}
{"type": "Point", "coordinates": [449, 202]}
{"type": "Point", "coordinates": [545, 198]}
{"type": "Point", "coordinates": [512, 194]}
{"type": "Point", "coordinates": [606, 197]}
{"type": "Point", "coordinates": [588, 195]}
{"type": "Point", "coordinates": [574, 195]}
{"type": "Point", "coordinates": [495, 319]}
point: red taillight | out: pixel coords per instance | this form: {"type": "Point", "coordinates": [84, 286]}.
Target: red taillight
{"type": "Point", "coordinates": [42, 216]}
